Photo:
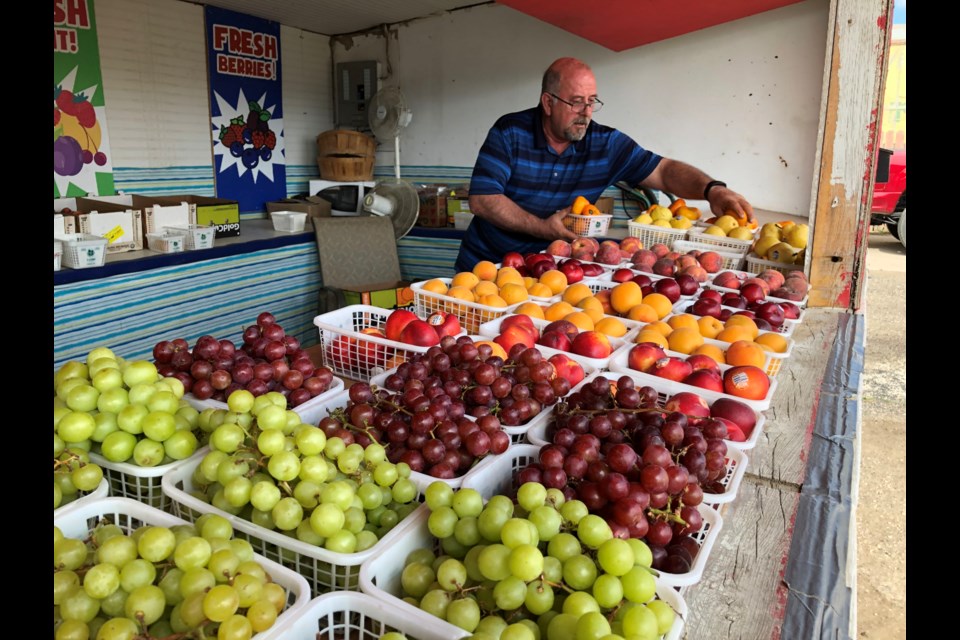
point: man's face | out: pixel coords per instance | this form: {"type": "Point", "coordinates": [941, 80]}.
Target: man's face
{"type": "Point", "coordinates": [567, 122]}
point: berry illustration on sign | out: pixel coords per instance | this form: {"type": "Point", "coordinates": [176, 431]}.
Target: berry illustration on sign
{"type": "Point", "coordinates": [247, 141]}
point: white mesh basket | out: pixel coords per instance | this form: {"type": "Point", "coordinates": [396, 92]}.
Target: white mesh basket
{"type": "Point", "coordinates": [83, 250]}
{"type": "Point", "coordinates": [470, 314]}
{"type": "Point", "coordinates": [733, 245]}
{"type": "Point", "coordinates": [57, 253]}
{"type": "Point", "coordinates": [731, 259]}
{"type": "Point", "coordinates": [651, 234]}
{"type": "Point", "coordinates": [588, 226]}
{"type": "Point", "coordinates": [197, 236]}
{"type": "Point", "coordinates": [143, 484]}
{"type": "Point", "coordinates": [102, 491]}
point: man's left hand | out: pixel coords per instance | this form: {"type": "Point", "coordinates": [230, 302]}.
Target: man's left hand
{"type": "Point", "coordinates": [723, 200]}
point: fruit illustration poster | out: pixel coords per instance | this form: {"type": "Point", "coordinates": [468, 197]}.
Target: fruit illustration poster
{"type": "Point", "coordinates": [82, 164]}
{"type": "Point", "coordinates": [246, 111]}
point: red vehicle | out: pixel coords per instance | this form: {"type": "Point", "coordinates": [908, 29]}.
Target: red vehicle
{"type": "Point", "coordinates": [890, 194]}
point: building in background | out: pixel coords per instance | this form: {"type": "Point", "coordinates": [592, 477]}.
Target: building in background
{"type": "Point", "coordinates": [893, 131]}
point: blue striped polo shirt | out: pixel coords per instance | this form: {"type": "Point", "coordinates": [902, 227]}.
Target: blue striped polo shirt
{"type": "Point", "coordinates": [516, 161]}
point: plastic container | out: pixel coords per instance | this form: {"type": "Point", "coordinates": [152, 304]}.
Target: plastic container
{"type": "Point", "coordinates": [336, 386]}
{"type": "Point", "coordinates": [130, 515]}
{"type": "Point", "coordinates": [83, 250]}
{"type": "Point", "coordinates": [650, 234]}
{"type": "Point", "coordinates": [380, 576]}
{"type": "Point", "coordinates": [802, 303]}
{"type": "Point", "coordinates": [353, 354]}
{"type": "Point", "coordinates": [352, 615]}
{"type": "Point", "coordinates": [197, 236]}
{"type": "Point", "coordinates": [166, 242]}
{"type": "Point", "coordinates": [756, 264]}
{"type": "Point", "coordinates": [733, 245]}
{"type": "Point", "coordinates": [102, 491]}
{"type": "Point", "coordinates": [57, 254]}
{"type": "Point", "coordinates": [143, 484]}
{"type": "Point", "coordinates": [470, 314]}
{"type": "Point", "coordinates": [786, 329]}
{"type": "Point", "coordinates": [588, 226]}
{"type": "Point", "coordinates": [288, 221]}
{"type": "Point", "coordinates": [323, 570]}
{"type": "Point", "coordinates": [731, 259]}
{"type": "Point", "coordinates": [537, 434]}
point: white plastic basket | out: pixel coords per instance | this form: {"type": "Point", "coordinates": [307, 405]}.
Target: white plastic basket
{"type": "Point", "coordinates": [650, 234]}
{"type": "Point", "coordinates": [731, 259]}
{"type": "Point", "coordinates": [83, 250]}
{"type": "Point", "coordinates": [57, 254]}
{"type": "Point", "coordinates": [323, 570]}
{"type": "Point", "coordinates": [786, 329]}
{"type": "Point", "coordinates": [380, 577]}
{"type": "Point", "coordinates": [537, 434]}
{"type": "Point", "coordinates": [756, 264]}
{"type": "Point", "coordinates": [130, 515]}
{"type": "Point", "coordinates": [197, 236]}
{"type": "Point", "coordinates": [336, 386]}
{"type": "Point", "coordinates": [352, 615]}
{"type": "Point", "coordinates": [143, 484]}
{"type": "Point", "coordinates": [166, 242]}
{"type": "Point", "coordinates": [102, 491]}
{"type": "Point", "coordinates": [349, 352]}
{"type": "Point", "coordinates": [470, 314]}
{"type": "Point", "coordinates": [588, 226]}
{"type": "Point", "coordinates": [733, 245]}
{"type": "Point", "coordinates": [288, 221]}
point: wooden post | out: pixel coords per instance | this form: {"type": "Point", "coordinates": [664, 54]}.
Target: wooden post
{"type": "Point", "coordinates": [858, 41]}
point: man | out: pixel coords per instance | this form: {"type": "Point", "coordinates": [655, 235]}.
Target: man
{"type": "Point", "coordinates": [535, 162]}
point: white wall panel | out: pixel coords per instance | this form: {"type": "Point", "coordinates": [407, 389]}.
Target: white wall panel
{"type": "Point", "coordinates": [307, 92]}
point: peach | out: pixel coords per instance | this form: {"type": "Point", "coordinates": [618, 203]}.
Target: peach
{"type": "Point", "coordinates": [796, 283]}
{"type": "Point", "coordinates": [604, 297]}
{"type": "Point", "coordinates": [785, 293]}
{"type": "Point", "coordinates": [609, 253]}
{"type": "Point", "coordinates": [565, 327]}
{"type": "Point", "coordinates": [763, 284]}
{"type": "Point", "coordinates": [644, 258]}
{"type": "Point", "coordinates": [671, 368]}
{"type": "Point", "coordinates": [555, 340]}
{"type": "Point", "coordinates": [686, 260]}
{"type": "Point", "coordinates": [701, 361]}
{"type": "Point", "coordinates": [735, 411]}
{"type": "Point", "coordinates": [746, 381]}
{"type": "Point", "coordinates": [798, 273]}
{"type": "Point", "coordinates": [514, 335]}
{"type": "Point", "coordinates": [727, 280]}
{"type": "Point", "coordinates": [583, 253]}
{"type": "Point", "coordinates": [696, 272]}
{"type": "Point", "coordinates": [711, 261]}
{"type": "Point", "coordinates": [705, 379]}
{"type": "Point", "coordinates": [585, 243]}
{"type": "Point", "coordinates": [642, 356]}
{"type": "Point", "coordinates": [673, 255]}
{"type": "Point", "coordinates": [591, 344]}
{"type": "Point", "coordinates": [688, 403]}
{"type": "Point", "coordinates": [773, 277]}
{"type": "Point", "coordinates": [567, 368]}
{"type": "Point", "coordinates": [560, 248]}
{"type": "Point", "coordinates": [660, 249]}
{"type": "Point", "coordinates": [522, 321]}
{"type": "Point", "coordinates": [629, 246]}
{"type": "Point", "coordinates": [665, 267]}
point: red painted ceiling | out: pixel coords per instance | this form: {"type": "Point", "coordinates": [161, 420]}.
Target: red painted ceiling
{"type": "Point", "coordinates": [619, 25]}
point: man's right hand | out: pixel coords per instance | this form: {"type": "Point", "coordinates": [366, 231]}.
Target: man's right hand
{"type": "Point", "coordinates": [556, 229]}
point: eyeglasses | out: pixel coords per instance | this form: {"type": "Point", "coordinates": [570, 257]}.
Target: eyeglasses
{"type": "Point", "coordinates": [579, 106]}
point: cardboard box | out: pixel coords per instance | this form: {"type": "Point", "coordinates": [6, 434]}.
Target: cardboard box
{"type": "Point", "coordinates": [457, 202]}
{"type": "Point", "coordinates": [433, 205]}
{"type": "Point", "coordinates": [120, 224]}
{"type": "Point", "coordinates": [387, 295]}
{"type": "Point", "coordinates": [605, 204]}
{"type": "Point", "coordinates": [313, 206]}
{"type": "Point", "coordinates": [219, 212]}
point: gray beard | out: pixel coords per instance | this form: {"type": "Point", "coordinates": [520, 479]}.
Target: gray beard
{"type": "Point", "coordinates": [570, 134]}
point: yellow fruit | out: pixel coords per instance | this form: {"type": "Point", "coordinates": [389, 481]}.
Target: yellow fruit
{"type": "Point", "coordinates": [727, 223]}
{"type": "Point", "coordinates": [492, 300]}
{"type": "Point", "coordinates": [661, 213]}
{"type": "Point", "coordinates": [781, 252]}
{"type": "Point", "coordinates": [770, 229]}
{"type": "Point", "coordinates": [649, 335]}
{"type": "Point", "coordinates": [462, 293]}
{"type": "Point", "coordinates": [435, 286]}
{"type": "Point", "coordinates": [581, 320]}
{"type": "Point", "coordinates": [691, 213]}
{"type": "Point", "coordinates": [679, 222]}
{"type": "Point", "coordinates": [797, 236]}
{"type": "Point", "coordinates": [763, 244]}
{"type": "Point", "coordinates": [485, 270]}
{"type": "Point", "coordinates": [611, 326]}
{"type": "Point", "coordinates": [485, 288]}
{"type": "Point", "coordinates": [714, 230]}
{"type": "Point", "coordinates": [531, 309]}
{"type": "Point", "coordinates": [465, 279]}
{"type": "Point", "coordinates": [539, 290]}
{"type": "Point", "coordinates": [741, 233]}
{"type": "Point", "coordinates": [643, 218]}
{"type": "Point", "coordinates": [773, 341]}
{"type": "Point", "coordinates": [555, 279]}
{"type": "Point", "coordinates": [661, 223]}
{"type": "Point", "coordinates": [592, 307]}
{"type": "Point", "coordinates": [576, 292]}
{"type": "Point", "coordinates": [557, 310]}
{"type": "Point", "coordinates": [513, 293]}
{"type": "Point", "coordinates": [529, 281]}
{"type": "Point", "coordinates": [508, 275]}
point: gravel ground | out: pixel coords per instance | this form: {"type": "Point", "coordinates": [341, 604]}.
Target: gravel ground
{"type": "Point", "coordinates": [882, 508]}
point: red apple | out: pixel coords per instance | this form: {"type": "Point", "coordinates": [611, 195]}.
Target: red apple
{"type": "Point", "coordinates": [591, 270]}
{"type": "Point", "coordinates": [752, 292]}
{"type": "Point", "coordinates": [396, 321]}
{"type": "Point", "coordinates": [567, 368]}
{"type": "Point", "coordinates": [671, 368]}
{"type": "Point", "coordinates": [642, 356]}
{"type": "Point", "coordinates": [622, 275]}
{"type": "Point", "coordinates": [746, 381]}
{"type": "Point", "coordinates": [669, 288]}
{"type": "Point", "coordinates": [563, 326]}
{"type": "Point", "coordinates": [555, 340]}
{"type": "Point", "coordinates": [706, 307]}
{"type": "Point", "coordinates": [710, 294]}
{"type": "Point", "coordinates": [688, 403]}
{"type": "Point", "coordinates": [688, 284]}
{"type": "Point", "coordinates": [734, 432]}
{"type": "Point", "coordinates": [735, 300]}
{"type": "Point", "coordinates": [790, 310]}
{"type": "Point", "coordinates": [735, 411]}
{"type": "Point", "coordinates": [512, 259]}
{"type": "Point", "coordinates": [514, 335]}
{"type": "Point", "coordinates": [643, 280]}
{"type": "Point", "coordinates": [591, 344]}
{"type": "Point", "coordinates": [419, 333]}
{"type": "Point", "coordinates": [522, 321]}
{"type": "Point", "coordinates": [705, 379]}
{"type": "Point", "coordinates": [541, 267]}
{"type": "Point", "coordinates": [574, 272]}
{"type": "Point", "coordinates": [533, 258]}
{"type": "Point", "coordinates": [700, 361]}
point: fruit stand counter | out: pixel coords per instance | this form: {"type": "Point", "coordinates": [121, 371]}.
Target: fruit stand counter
{"type": "Point", "coordinates": [139, 298]}
{"type": "Point", "coordinates": [784, 564]}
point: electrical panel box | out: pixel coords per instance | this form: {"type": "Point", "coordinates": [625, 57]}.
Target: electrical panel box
{"type": "Point", "coordinates": [356, 83]}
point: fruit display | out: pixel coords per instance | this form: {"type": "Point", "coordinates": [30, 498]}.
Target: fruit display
{"type": "Point", "coordinates": [576, 334]}
{"type": "Point", "coordinates": [136, 574]}
{"type": "Point", "coordinates": [534, 564]}
{"type": "Point", "coordinates": [729, 226]}
{"type": "Point", "coordinates": [609, 252]}
{"type": "Point", "coordinates": [269, 360]}
{"type": "Point", "coordinates": [790, 291]}
{"type": "Point", "coordinates": [676, 216]}
{"type": "Point", "coordinates": [782, 242]}
{"type": "Point", "coordinates": [674, 287]}
{"type": "Point", "coordinates": [661, 260]}
{"type": "Point", "coordinates": [74, 474]}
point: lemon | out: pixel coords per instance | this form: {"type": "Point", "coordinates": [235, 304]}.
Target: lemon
{"type": "Point", "coordinates": [661, 223]}
{"type": "Point", "coordinates": [727, 223]}
{"type": "Point", "coordinates": [643, 218]}
{"type": "Point", "coordinates": [714, 230]}
{"type": "Point", "coordinates": [679, 222]}
{"type": "Point", "coordinates": [661, 213]}
{"type": "Point", "coordinates": [797, 236]}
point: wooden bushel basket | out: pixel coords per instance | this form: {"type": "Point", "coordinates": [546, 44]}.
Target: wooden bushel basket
{"type": "Point", "coordinates": [343, 142]}
{"type": "Point", "coordinates": [346, 168]}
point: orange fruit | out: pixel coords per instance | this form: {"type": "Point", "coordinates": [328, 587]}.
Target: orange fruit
{"type": "Point", "coordinates": [774, 341]}
{"type": "Point", "coordinates": [508, 275]}
{"type": "Point", "coordinates": [465, 279]}
{"type": "Point", "coordinates": [611, 327]}
{"type": "Point", "coordinates": [626, 296]}
{"type": "Point", "coordinates": [676, 204]}
{"type": "Point", "coordinates": [539, 290]}
{"type": "Point", "coordinates": [734, 333]}
{"type": "Point", "coordinates": [513, 293]}
{"type": "Point", "coordinates": [486, 288]}
{"type": "Point", "coordinates": [743, 321]}
{"type": "Point", "coordinates": [578, 205]}
{"type": "Point", "coordinates": [711, 350]}
{"type": "Point", "coordinates": [684, 340]}
{"type": "Point", "coordinates": [743, 352]}
{"type": "Point", "coordinates": [554, 279]}
{"type": "Point", "coordinates": [746, 382]}
{"type": "Point", "coordinates": [649, 335]}
{"type": "Point", "coordinates": [709, 326]}
{"type": "Point", "coordinates": [497, 349]}
{"type": "Point", "coordinates": [529, 281]}
{"type": "Point", "coordinates": [435, 286]}
{"type": "Point", "coordinates": [659, 302]}
{"type": "Point", "coordinates": [492, 300]}
{"type": "Point", "coordinates": [643, 313]}
{"type": "Point", "coordinates": [592, 307]}
{"type": "Point", "coordinates": [604, 297]}
{"type": "Point", "coordinates": [558, 310]}
{"type": "Point", "coordinates": [661, 326]}
{"type": "Point", "coordinates": [684, 321]}
{"type": "Point", "coordinates": [575, 293]}
{"type": "Point", "coordinates": [485, 270]}
{"type": "Point", "coordinates": [581, 320]}
{"type": "Point", "coordinates": [531, 309]}
{"type": "Point", "coordinates": [463, 293]}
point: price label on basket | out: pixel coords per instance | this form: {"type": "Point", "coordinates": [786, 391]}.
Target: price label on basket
{"type": "Point", "coordinates": [114, 234]}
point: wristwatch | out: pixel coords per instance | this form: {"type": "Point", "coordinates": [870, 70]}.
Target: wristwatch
{"type": "Point", "coordinates": [711, 185]}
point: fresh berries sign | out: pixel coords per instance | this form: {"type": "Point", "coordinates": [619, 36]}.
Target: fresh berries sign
{"type": "Point", "coordinates": [246, 113]}
{"type": "Point", "coordinates": [82, 163]}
